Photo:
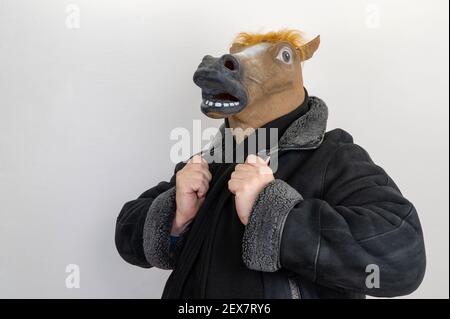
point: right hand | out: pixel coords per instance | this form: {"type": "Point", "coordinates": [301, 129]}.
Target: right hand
{"type": "Point", "coordinates": [192, 184]}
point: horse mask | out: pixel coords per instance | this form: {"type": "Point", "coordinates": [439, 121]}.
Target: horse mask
{"type": "Point", "coordinates": [258, 81]}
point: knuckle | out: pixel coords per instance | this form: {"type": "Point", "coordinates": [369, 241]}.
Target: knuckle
{"type": "Point", "coordinates": [179, 175]}
{"type": "Point", "coordinates": [196, 159]}
{"type": "Point", "coordinates": [251, 158]}
{"type": "Point", "coordinates": [198, 175]}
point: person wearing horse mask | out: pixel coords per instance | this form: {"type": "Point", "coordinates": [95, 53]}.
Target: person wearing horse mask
{"type": "Point", "coordinates": [326, 222]}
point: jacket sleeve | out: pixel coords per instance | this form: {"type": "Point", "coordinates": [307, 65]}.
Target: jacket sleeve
{"type": "Point", "coordinates": [360, 235]}
{"type": "Point", "coordinates": [143, 228]}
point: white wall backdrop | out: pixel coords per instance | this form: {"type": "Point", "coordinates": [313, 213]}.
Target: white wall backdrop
{"type": "Point", "coordinates": [90, 90]}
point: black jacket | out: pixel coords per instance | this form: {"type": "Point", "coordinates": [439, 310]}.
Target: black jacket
{"type": "Point", "coordinates": [319, 230]}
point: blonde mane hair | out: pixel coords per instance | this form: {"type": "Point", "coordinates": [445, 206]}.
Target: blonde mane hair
{"type": "Point", "coordinates": [294, 37]}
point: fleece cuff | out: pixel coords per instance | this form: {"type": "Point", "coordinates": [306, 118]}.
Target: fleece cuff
{"type": "Point", "coordinates": [262, 236]}
{"type": "Point", "coordinates": [157, 229]}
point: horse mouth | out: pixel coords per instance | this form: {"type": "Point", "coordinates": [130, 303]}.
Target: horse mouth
{"type": "Point", "coordinates": [221, 100]}
{"type": "Point", "coordinates": [225, 103]}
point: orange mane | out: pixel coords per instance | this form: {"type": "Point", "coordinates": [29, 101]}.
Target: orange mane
{"type": "Point", "coordinates": [294, 37]}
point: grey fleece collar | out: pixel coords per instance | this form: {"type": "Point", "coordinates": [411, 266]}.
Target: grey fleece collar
{"type": "Point", "coordinates": [305, 133]}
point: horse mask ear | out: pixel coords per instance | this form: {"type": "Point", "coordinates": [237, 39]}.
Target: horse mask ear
{"type": "Point", "coordinates": [307, 50]}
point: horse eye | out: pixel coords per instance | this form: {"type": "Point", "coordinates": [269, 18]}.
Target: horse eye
{"type": "Point", "coordinates": [286, 56]}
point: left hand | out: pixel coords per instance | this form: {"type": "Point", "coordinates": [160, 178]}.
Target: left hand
{"type": "Point", "coordinates": [246, 182]}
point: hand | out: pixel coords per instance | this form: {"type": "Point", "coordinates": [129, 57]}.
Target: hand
{"type": "Point", "coordinates": [247, 181]}
{"type": "Point", "coordinates": [192, 184]}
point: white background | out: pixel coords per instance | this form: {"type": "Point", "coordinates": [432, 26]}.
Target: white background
{"type": "Point", "coordinates": [86, 113]}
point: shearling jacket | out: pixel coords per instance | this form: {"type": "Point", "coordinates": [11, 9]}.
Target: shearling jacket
{"type": "Point", "coordinates": [329, 222]}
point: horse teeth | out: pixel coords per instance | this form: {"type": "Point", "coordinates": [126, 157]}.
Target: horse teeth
{"type": "Point", "coordinates": [221, 104]}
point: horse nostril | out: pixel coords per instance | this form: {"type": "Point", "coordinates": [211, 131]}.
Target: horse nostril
{"type": "Point", "coordinates": [230, 63]}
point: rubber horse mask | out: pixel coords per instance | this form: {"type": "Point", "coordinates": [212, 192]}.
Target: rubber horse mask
{"type": "Point", "coordinates": [258, 81]}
